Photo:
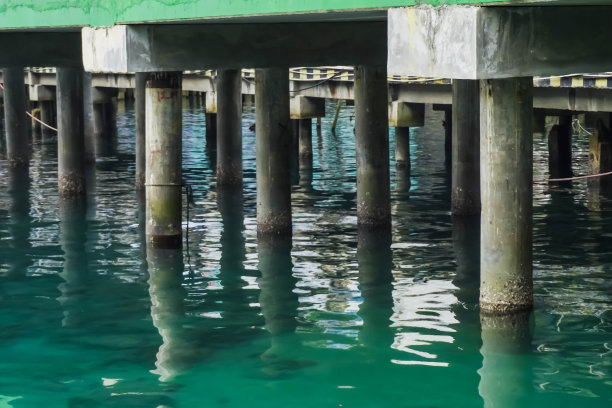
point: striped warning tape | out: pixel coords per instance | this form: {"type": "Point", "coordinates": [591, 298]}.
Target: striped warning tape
{"type": "Point", "coordinates": [601, 81]}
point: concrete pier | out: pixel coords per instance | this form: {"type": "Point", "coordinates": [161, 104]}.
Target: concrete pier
{"type": "Point", "coordinates": [71, 132]}
{"type": "Point", "coordinates": [506, 182]}
{"type": "Point", "coordinates": [465, 193]}
{"type": "Point", "coordinates": [305, 143]}
{"type": "Point", "coordinates": [273, 146]}
{"type": "Point", "coordinates": [402, 148]}
{"type": "Point", "coordinates": [104, 123]}
{"type": "Point", "coordinates": [47, 115]}
{"type": "Point", "coordinates": [560, 148]}
{"type": "Point", "coordinates": [140, 108]}
{"type": "Point", "coordinates": [229, 128]}
{"type": "Point", "coordinates": [211, 130]}
{"type": "Point", "coordinates": [163, 159]}
{"type": "Point", "coordinates": [448, 137]}
{"type": "Point", "coordinates": [372, 147]}
{"type": "Point", "coordinates": [17, 139]}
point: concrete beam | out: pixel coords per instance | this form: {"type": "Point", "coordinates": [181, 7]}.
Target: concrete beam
{"type": "Point", "coordinates": [403, 114]}
{"type": "Point", "coordinates": [302, 107]}
{"type": "Point", "coordinates": [41, 49]}
{"type": "Point", "coordinates": [178, 47]}
{"type": "Point", "coordinates": [467, 42]}
{"type": "Point", "coordinates": [42, 93]}
{"type": "Point", "coordinates": [103, 95]}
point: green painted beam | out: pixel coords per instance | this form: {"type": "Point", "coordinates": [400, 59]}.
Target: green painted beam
{"type": "Point", "coordinates": [78, 13]}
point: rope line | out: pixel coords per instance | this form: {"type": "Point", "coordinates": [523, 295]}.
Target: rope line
{"type": "Point", "coordinates": [578, 127]}
{"type": "Point", "coordinates": [32, 116]}
{"type": "Point", "coordinates": [609, 173]}
{"type": "Point", "coordinates": [40, 121]}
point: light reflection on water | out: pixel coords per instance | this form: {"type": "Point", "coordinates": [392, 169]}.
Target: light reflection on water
{"type": "Point", "coordinates": [88, 318]}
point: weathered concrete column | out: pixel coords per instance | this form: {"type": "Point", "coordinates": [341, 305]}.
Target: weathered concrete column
{"type": "Point", "coordinates": [506, 172]}
{"type": "Point", "coordinates": [103, 127]}
{"type": "Point", "coordinates": [273, 145]}
{"type": "Point", "coordinates": [17, 139]}
{"type": "Point", "coordinates": [560, 148]}
{"type": "Point", "coordinates": [402, 148]}
{"type": "Point", "coordinates": [47, 115]}
{"type": "Point", "coordinates": [372, 146]}
{"type": "Point", "coordinates": [163, 101]}
{"type": "Point", "coordinates": [305, 143]}
{"type": "Point", "coordinates": [70, 132]}
{"type": "Point", "coordinates": [229, 128]}
{"type": "Point", "coordinates": [211, 131]}
{"type": "Point", "coordinates": [465, 193]}
{"type": "Point", "coordinates": [448, 137]}
{"type": "Point", "coordinates": [90, 149]}
{"type": "Point", "coordinates": [139, 95]}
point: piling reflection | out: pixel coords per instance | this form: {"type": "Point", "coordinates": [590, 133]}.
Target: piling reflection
{"type": "Point", "coordinates": [75, 273]}
{"type": "Point", "coordinates": [467, 338]}
{"type": "Point", "coordinates": [375, 262]}
{"type": "Point", "coordinates": [167, 310]}
{"type": "Point", "coordinates": [506, 376]}
{"type": "Point", "coordinates": [235, 302]}
{"type": "Point", "coordinates": [20, 225]}
{"type": "Point", "coordinates": [279, 304]}
{"type": "Point", "coordinates": [466, 245]}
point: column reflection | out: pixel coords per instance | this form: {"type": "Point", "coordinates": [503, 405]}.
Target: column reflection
{"type": "Point", "coordinates": [506, 376]}
{"type": "Point", "coordinates": [279, 304]}
{"type": "Point", "coordinates": [76, 274]}
{"type": "Point", "coordinates": [168, 311]}
{"type": "Point", "coordinates": [234, 300]}
{"type": "Point", "coordinates": [20, 221]}
{"type": "Point", "coordinates": [375, 262]}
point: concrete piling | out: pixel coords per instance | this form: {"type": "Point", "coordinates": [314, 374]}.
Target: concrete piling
{"type": "Point", "coordinates": [211, 131]}
{"type": "Point", "coordinates": [448, 137]}
{"type": "Point", "coordinates": [229, 128]}
{"type": "Point", "coordinates": [560, 148]}
{"type": "Point", "coordinates": [71, 132]}
{"type": "Point", "coordinates": [104, 127]}
{"type": "Point", "coordinates": [506, 189]}
{"type": "Point", "coordinates": [140, 108]}
{"type": "Point", "coordinates": [47, 115]}
{"type": "Point", "coordinates": [465, 145]}
{"type": "Point", "coordinates": [273, 147]}
{"type": "Point", "coordinates": [305, 143]}
{"type": "Point", "coordinates": [372, 147]}
{"type": "Point", "coordinates": [17, 138]}
{"type": "Point", "coordinates": [402, 148]}
{"type": "Point", "coordinates": [163, 102]}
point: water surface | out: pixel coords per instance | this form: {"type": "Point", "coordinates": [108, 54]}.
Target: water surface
{"type": "Point", "coordinates": [338, 319]}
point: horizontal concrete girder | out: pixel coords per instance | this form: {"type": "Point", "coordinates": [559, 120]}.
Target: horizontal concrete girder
{"type": "Point", "coordinates": [61, 49]}
{"type": "Point", "coordinates": [466, 42]}
{"type": "Point", "coordinates": [147, 48]}
{"type": "Point", "coordinates": [303, 107]}
{"type": "Point", "coordinates": [403, 114]}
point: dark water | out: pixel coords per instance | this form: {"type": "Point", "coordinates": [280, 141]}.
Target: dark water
{"type": "Point", "coordinates": [341, 319]}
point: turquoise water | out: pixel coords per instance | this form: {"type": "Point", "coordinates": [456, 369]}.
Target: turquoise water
{"type": "Point", "coordinates": [340, 319]}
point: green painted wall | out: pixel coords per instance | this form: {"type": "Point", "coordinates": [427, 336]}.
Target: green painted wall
{"type": "Point", "coordinates": [54, 13]}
